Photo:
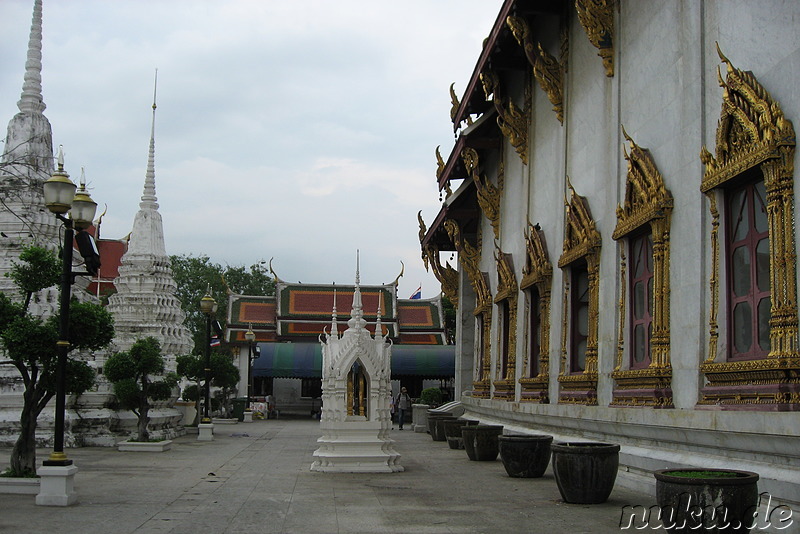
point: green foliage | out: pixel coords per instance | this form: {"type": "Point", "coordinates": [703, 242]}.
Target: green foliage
{"type": "Point", "coordinates": [449, 319]}
{"type": "Point", "coordinates": [30, 345]}
{"type": "Point", "coordinates": [223, 373]}
{"type": "Point", "coordinates": [132, 375]}
{"type": "Point", "coordinates": [194, 274]}
{"type": "Point", "coordinates": [40, 269]}
{"type": "Point", "coordinates": [191, 393]}
{"type": "Point", "coordinates": [431, 396]}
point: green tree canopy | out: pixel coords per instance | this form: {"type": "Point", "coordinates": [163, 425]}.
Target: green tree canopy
{"type": "Point", "coordinates": [134, 376]}
{"type": "Point", "coordinates": [195, 274]}
{"type": "Point", "coordinates": [30, 346]}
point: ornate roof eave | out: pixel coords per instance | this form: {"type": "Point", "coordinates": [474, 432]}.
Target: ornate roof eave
{"type": "Point", "coordinates": [500, 51]}
{"type": "Point", "coordinates": [483, 134]}
{"type": "Point", "coordinates": [461, 206]}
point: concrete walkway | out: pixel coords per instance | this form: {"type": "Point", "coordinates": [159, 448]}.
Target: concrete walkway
{"type": "Point", "coordinates": [255, 478]}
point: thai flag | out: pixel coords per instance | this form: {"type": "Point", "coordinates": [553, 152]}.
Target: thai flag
{"type": "Point", "coordinates": [417, 294]}
{"type": "Point", "coordinates": [215, 341]}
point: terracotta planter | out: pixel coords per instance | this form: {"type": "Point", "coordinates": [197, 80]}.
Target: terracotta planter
{"type": "Point", "coordinates": [452, 432]}
{"type": "Point", "coordinates": [481, 442]}
{"type": "Point", "coordinates": [525, 456]}
{"type": "Point", "coordinates": [707, 500]}
{"type": "Point", "coordinates": [438, 427]}
{"type": "Point", "coordinates": [585, 471]}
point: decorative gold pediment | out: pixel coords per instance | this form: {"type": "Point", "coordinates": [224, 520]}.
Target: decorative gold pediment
{"type": "Point", "coordinates": [751, 128]}
{"type": "Point", "coordinates": [445, 274]}
{"type": "Point", "coordinates": [597, 19]}
{"type": "Point", "coordinates": [506, 279]}
{"type": "Point", "coordinates": [488, 195]}
{"type": "Point", "coordinates": [646, 198]}
{"type": "Point", "coordinates": [538, 268]}
{"type": "Point", "coordinates": [469, 257]}
{"type": "Point", "coordinates": [547, 70]}
{"type": "Point", "coordinates": [581, 236]}
{"type": "Point", "coordinates": [511, 120]}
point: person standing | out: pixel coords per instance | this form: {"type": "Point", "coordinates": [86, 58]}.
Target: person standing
{"type": "Point", "coordinates": [402, 403]}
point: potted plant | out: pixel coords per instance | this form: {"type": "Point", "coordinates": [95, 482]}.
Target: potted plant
{"type": "Point", "coordinates": [525, 456]}
{"type": "Point", "coordinates": [132, 374]}
{"type": "Point", "coordinates": [585, 471]}
{"type": "Point", "coordinates": [481, 443]}
{"type": "Point", "coordinates": [707, 500]}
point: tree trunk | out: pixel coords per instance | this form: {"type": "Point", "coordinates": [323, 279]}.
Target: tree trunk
{"type": "Point", "coordinates": [23, 455]}
{"type": "Point", "coordinates": [144, 419]}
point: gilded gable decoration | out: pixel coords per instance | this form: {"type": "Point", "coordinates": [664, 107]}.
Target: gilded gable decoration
{"type": "Point", "coordinates": [445, 274]}
{"type": "Point", "coordinates": [647, 203]}
{"type": "Point", "coordinates": [538, 273]}
{"type": "Point", "coordinates": [581, 242]}
{"type": "Point", "coordinates": [511, 120]}
{"type": "Point", "coordinates": [469, 257]}
{"type": "Point", "coordinates": [547, 70]}
{"type": "Point", "coordinates": [507, 291]}
{"type": "Point", "coordinates": [439, 164]}
{"type": "Point", "coordinates": [488, 194]}
{"type": "Point", "coordinates": [753, 132]}
{"type": "Point", "coordinates": [597, 19]}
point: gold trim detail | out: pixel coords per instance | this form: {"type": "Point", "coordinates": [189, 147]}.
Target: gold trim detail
{"type": "Point", "coordinates": [511, 120]}
{"type": "Point", "coordinates": [752, 131]}
{"type": "Point", "coordinates": [507, 290]}
{"type": "Point", "coordinates": [647, 202]}
{"type": "Point", "coordinates": [546, 69]}
{"type": "Point", "coordinates": [469, 258]}
{"type": "Point", "coordinates": [597, 19]}
{"type": "Point", "coordinates": [538, 273]}
{"type": "Point", "coordinates": [581, 241]}
{"type": "Point", "coordinates": [488, 194]}
{"type": "Point", "coordinates": [445, 274]}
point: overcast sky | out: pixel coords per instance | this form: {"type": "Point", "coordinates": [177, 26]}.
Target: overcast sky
{"type": "Point", "coordinates": [295, 129]}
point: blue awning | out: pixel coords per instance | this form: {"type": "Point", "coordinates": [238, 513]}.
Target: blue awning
{"type": "Point", "coordinates": [304, 360]}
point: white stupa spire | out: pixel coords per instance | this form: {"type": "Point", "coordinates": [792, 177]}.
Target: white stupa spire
{"type": "Point", "coordinates": [145, 303]}
{"type": "Point", "coordinates": [334, 318]}
{"type": "Point", "coordinates": [31, 99]}
{"type": "Point", "coordinates": [357, 321]}
{"type": "Point", "coordinates": [149, 200]}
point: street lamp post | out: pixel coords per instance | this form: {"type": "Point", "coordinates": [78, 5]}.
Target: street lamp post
{"type": "Point", "coordinates": [61, 197]}
{"type": "Point", "coordinates": [206, 428]}
{"type": "Point", "coordinates": [250, 336]}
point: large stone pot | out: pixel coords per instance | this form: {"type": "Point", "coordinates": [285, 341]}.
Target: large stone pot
{"type": "Point", "coordinates": [585, 471]}
{"type": "Point", "coordinates": [707, 500]}
{"type": "Point", "coordinates": [525, 456]}
{"type": "Point", "coordinates": [433, 414]}
{"type": "Point", "coordinates": [481, 441]}
{"type": "Point", "coordinates": [452, 431]}
{"type": "Point", "coordinates": [438, 427]}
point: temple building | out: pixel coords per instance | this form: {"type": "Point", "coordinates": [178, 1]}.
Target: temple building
{"type": "Point", "coordinates": [288, 326]}
{"type": "Point", "coordinates": [620, 197]}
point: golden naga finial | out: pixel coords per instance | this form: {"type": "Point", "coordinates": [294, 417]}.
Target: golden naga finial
{"type": "Point", "coordinates": [402, 272]}
{"type": "Point", "coordinates": [439, 162]}
{"type": "Point", "coordinates": [423, 229]}
{"type": "Point", "coordinates": [274, 275]}
{"type": "Point", "coordinates": [454, 101]}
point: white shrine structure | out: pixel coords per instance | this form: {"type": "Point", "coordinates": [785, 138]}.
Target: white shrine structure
{"type": "Point", "coordinates": [356, 392]}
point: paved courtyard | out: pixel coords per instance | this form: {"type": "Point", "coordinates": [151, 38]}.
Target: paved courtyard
{"type": "Point", "coordinates": [255, 478]}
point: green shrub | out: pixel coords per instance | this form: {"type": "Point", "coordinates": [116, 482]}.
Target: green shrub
{"type": "Point", "coordinates": [431, 396]}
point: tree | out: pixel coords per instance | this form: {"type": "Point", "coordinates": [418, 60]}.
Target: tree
{"type": "Point", "coordinates": [30, 346]}
{"type": "Point", "coordinates": [449, 319]}
{"type": "Point", "coordinates": [195, 274]}
{"type": "Point", "coordinates": [224, 375]}
{"type": "Point", "coordinates": [132, 374]}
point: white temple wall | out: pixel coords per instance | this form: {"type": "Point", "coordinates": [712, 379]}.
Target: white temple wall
{"type": "Point", "coordinates": [665, 93]}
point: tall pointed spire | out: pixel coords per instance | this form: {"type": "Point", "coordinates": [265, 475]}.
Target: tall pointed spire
{"type": "Point", "coordinates": [334, 318]}
{"type": "Point", "coordinates": [149, 200]}
{"type": "Point", "coordinates": [31, 99]}
{"type": "Point", "coordinates": [357, 313]}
